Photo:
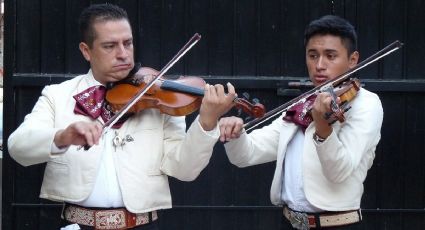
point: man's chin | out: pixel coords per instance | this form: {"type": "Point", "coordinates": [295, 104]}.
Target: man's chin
{"type": "Point", "coordinates": [119, 75]}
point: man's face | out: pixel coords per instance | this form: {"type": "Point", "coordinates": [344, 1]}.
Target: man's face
{"type": "Point", "coordinates": [111, 55]}
{"type": "Point", "coordinates": [327, 58]}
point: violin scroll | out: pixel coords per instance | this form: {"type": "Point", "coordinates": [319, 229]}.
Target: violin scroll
{"type": "Point", "coordinates": [255, 110]}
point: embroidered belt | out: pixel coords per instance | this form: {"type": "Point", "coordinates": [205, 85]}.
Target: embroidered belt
{"type": "Point", "coordinates": [305, 221]}
{"type": "Point", "coordinates": [119, 218]}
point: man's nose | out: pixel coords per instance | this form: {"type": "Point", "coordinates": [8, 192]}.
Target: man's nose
{"type": "Point", "coordinates": [122, 52]}
{"type": "Point", "coordinates": [321, 63]}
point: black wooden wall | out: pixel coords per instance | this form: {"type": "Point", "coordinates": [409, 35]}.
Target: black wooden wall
{"type": "Point", "coordinates": [258, 46]}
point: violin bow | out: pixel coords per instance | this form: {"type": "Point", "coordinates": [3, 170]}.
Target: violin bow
{"type": "Point", "coordinates": [111, 122]}
{"type": "Point", "coordinates": [332, 82]}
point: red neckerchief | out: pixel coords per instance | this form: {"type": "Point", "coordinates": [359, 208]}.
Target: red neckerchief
{"type": "Point", "coordinates": [299, 114]}
{"type": "Point", "coordinates": [91, 102]}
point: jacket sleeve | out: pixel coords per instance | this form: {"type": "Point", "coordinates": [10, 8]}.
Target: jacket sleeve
{"type": "Point", "coordinates": [186, 154]}
{"type": "Point", "coordinates": [343, 151]}
{"type": "Point", "coordinates": [257, 147]}
{"type": "Point", "coordinates": [31, 142]}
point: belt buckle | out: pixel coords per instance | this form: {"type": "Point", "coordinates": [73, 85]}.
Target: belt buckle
{"type": "Point", "coordinates": [110, 219]}
{"type": "Point", "coordinates": [299, 220]}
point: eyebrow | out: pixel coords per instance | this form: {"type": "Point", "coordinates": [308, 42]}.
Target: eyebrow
{"type": "Point", "coordinates": [326, 50]}
{"type": "Point", "coordinates": [115, 42]}
{"type": "Point", "coordinates": [109, 42]}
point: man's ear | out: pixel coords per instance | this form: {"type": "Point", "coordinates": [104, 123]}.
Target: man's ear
{"type": "Point", "coordinates": [354, 58]}
{"type": "Point", "coordinates": [85, 50]}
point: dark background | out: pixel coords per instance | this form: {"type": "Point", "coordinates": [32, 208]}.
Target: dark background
{"type": "Point", "coordinates": [258, 46]}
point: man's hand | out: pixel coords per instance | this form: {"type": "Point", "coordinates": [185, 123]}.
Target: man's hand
{"type": "Point", "coordinates": [230, 128]}
{"type": "Point", "coordinates": [79, 133]}
{"type": "Point", "coordinates": [321, 106]}
{"type": "Point", "coordinates": [214, 104]}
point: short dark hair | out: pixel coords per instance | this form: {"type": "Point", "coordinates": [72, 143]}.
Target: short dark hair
{"type": "Point", "coordinates": [98, 13]}
{"type": "Point", "coordinates": [333, 25]}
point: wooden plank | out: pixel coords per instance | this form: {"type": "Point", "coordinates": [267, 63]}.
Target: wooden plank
{"type": "Point", "coordinates": [50, 218]}
{"type": "Point", "coordinates": [173, 33]}
{"type": "Point", "coordinates": [369, 197]}
{"type": "Point", "coordinates": [269, 45]}
{"type": "Point", "coordinates": [197, 21]}
{"type": "Point", "coordinates": [317, 9]}
{"type": "Point", "coordinates": [413, 153]}
{"type": "Point", "coordinates": [415, 39]}
{"type": "Point", "coordinates": [74, 60]}
{"type": "Point", "coordinates": [412, 161]}
{"type": "Point", "coordinates": [221, 34]}
{"type": "Point", "coordinates": [9, 118]}
{"type": "Point", "coordinates": [28, 37]}
{"type": "Point", "coordinates": [294, 22]}
{"type": "Point", "coordinates": [52, 59]}
{"type": "Point", "coordinates": [393, 28]}
{"type": "Point", "coordinates": [28, 219]}
{"type": "Point", "coordinates": [390, 179]}
{"type": "Point", "coordinates": [413, 220]}
{"type": "Point", "coordinates": [247, 181]}
{"type": "Point", "coordinates": [246, 38]}
{"type": "Point", "coordinates": [150, 24]}
{"type": "Point", "coordinates": [367, 26]}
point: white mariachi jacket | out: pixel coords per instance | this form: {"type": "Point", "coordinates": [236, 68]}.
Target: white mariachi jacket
{"type": "Point", "coordinates": [161, 148]}
{"type": "Point", "coordinates": [333, 171]}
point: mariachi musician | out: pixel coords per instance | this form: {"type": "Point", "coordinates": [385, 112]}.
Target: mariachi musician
{"type": "Point", "coordinates": [120, 180]}
{"type": "Point", "coordinates": [321, 164]}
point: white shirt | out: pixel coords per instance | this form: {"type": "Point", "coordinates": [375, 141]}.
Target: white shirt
{"type": "Point", "coordinates": [293, 188]}
{"type": "Point", "coordinates": [106, 191]}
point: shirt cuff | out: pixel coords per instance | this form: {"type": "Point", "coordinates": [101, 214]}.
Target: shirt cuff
{"type": "Point", "coordinates": [325, 140]}
{"type": "Point", "coordinates": [215, 133]}
{"type": "Point", "coordinates": [56, 150]}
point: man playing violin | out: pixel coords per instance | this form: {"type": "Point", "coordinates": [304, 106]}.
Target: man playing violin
{"type": "Point", "coordinates": [320, 166]}
{"type": "Point", "coordinates": [122, 179]}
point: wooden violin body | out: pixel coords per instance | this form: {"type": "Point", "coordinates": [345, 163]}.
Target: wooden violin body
{"type": "Point", "coordinates": [178, 97]}
{"type": "Point", "coordinates": [168, 102]}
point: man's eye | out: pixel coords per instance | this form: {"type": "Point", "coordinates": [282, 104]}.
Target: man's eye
{"type": "Point", "coordinates": [331, 56]}
{"type": "Point", "coordinates": [313, 56]}
{"type": "Point", "coordinates": [128, 44]}
{"type": "Point", "coordinates": [108, 47]}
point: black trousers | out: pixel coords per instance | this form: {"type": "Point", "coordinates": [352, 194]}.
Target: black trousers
{"type": "Point", "coordinates": [151, 226]}
{"type": "Point", "coordinates": [286, 225]}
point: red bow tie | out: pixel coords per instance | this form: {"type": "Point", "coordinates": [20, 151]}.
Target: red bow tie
{"type": "Point", "coordinates": [91, 102]}
{"type": "Point", "coordinates": [299, 113]}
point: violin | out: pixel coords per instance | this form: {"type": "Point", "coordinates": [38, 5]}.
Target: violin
{"type": "Point", "coordinates": [178, 97]}
{"type": "Point", "coordinates": [346, 92]}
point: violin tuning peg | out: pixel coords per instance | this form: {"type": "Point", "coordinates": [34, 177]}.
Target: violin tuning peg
{"type": "Point", "coordinates": [255, 101]}
{"type": "Point", "coordinates": [245, 95]}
